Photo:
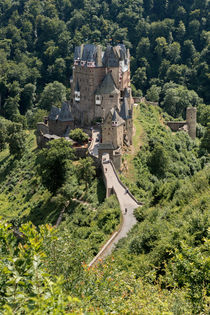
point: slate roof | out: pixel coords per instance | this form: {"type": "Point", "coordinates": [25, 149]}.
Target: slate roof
{"type": "Point", "coordinates": [89, 52]}
{"type": "Point", "coordinates": [126, 93]}
{"type": "Point", "coordinates": [125, 112]}
{"type": "Point", "coordinates": [116, 117]}
{"type": "Point", "coordinates": [102, 146]}
{"type": "Point", "coordinates": [78, 52]}
{"type": "Point", "coordinates": [110, 58]}
{"type": "Point", "coordinates": [107, 86]}
{"type": "Point", "coordinates": [54, 113]}
{"type": "Point", "coordinates": [113, 55]}
{"type": "Point", "coordinates": [65, 113]}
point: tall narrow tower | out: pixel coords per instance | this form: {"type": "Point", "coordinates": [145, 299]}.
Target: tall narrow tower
{"type": "Point", "coordinates": [191, 121]}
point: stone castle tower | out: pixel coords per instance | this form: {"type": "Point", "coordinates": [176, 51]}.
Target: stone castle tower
{"type": "Point", "coordinates": [191, 121]}
{"type": "Point", "coordinates": [100, 81]}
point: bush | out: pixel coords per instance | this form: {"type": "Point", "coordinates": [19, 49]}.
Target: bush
{"type": "Point", "coordinates": [78, 135]}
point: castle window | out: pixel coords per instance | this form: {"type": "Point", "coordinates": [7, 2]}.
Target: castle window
{"type": "Point", "coordinates": [98, 99]}
{"type": "Point", "coordinates": [111, 95]}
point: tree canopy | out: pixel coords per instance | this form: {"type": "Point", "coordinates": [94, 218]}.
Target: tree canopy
{"type": "Point", "coordinates": [37, 41]}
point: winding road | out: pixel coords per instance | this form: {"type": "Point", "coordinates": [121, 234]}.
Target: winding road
{"type": "Point", "coordinates": [127, 202]}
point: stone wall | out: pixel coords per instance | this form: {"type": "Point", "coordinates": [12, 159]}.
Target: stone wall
{"type": "Point", "coordinates": [175, 125]}
{"type": "Point", "coordinates": [191, 121]}
{"type": "Point", "coordinates": [58, 127]}
{"type": "Point", "coordinates": [89, 79]}
{"type": "Point", "coordinates": [108, 102]}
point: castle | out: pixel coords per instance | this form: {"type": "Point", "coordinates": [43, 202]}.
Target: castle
{"type": "Point", "coordinates": [189, 125]}
{"type": "Point", "coordinates": [100, 91]}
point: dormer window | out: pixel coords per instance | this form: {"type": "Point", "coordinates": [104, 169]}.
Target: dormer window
{"type": "Point", "coordinates": [83, 63]}
{"type": "Point", "coordinates": [91, 64]}
{"type": "Point", "coordinates": [114, 123]}
{"type": "Point", "coordinates": [76, 62]}
{"type": "Point", "coordinates": [98, 99]}
{"type": "Point", "coordinates": [77, 96]}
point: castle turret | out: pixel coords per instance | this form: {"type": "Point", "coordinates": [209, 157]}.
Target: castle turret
{"type": "Point", "coordinates": [191, 121]}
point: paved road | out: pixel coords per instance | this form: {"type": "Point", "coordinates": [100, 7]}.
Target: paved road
{"type": "Point", "coordinates": [94, 144]}
{"type": "Point", "coordinates": [125, 200]}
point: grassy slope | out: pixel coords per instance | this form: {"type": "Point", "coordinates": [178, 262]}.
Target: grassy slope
{"type": "Point", "coordinates": [168, 245]}
{"type": "Point", "coordinates": [23, 198]}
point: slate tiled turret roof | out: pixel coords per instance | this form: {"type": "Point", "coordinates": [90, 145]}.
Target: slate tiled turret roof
{"type": "Point", "coordinates": [89, 52]}
{"type": "Point", "coordinates": [78, 52]}
{"type": "Point", "coordinates": [65, 113]}
{"type": "Point", "coordinates": [113, 55]}
{"type": "Point", "coordinates": [116, 117]}
{"type": "Point", "coordinates": [125, 113]}
{"type": "Point", "coordinates": [54, 113]}
{"type": "Point", "coordinates": [107, 86]}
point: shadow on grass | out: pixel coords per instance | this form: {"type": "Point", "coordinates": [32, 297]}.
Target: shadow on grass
{"type": "Point", "coordinates": [42, 213]}
{"type": "Point", "coordinates": [5, 170]}
{"type": "Point", "coordinates": [47, 212]}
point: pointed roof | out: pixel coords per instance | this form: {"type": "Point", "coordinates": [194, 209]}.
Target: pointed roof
{"type": "Point", "coordinates": [54, 113]}
{"type": "Point", "coordinates": [65, 113]}
{"type": "Point", "coordinates": [78, 52]}
{"type": "Point", "coordinates": [126, 93]}
{"type": "Point", "coordinates": [89, 52]}
{"type": "Point", "coordinates": [110, 58]}
{"type": "Point", "coordinates": [107, 86]}
{"type": "Point", "coordinates": [124, 112]}
{"type": "Point", "coordinates": [113, 55]}
{"type": "Point", "coordinates": [116, 117]}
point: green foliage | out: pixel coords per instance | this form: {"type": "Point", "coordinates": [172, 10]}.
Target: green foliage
{"type": "Point", "coordinates": [168, 41]}
{"type": "Point", "coordinates": [34, 116]}
{"type": "Point", "coordinates": [54, 162]}
{"type": "Point", "coordinates": [17, 144]}
{"type": "Point", "coordinates": [170, 243]}
{"type": "Point", "coordinates": [158, 161]}
{"type": "Point", "coordinates": [177, 99]}
{"type": "Point", "coordinates": [78, 135]}
{"type": "Point", "coordinates": [29, 286]}
{"type": "Point", "coordinates": [153, 93]}
{"type": "Point", "coordinates": [25, 284]}
{"type": "Point", "coordinates": [53, 94]}
{"type": "Point", "coordinates": [205, 141]}
{"type": "Point", "coordinates": [164, 157]}
{"type": "Point", "coordinates": [86, 170]}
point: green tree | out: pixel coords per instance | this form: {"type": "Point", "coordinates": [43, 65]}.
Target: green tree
{"type": "Point", "coordinates": [78, 135]}
{"type": "Point", "coordinates": [52, 163]}
{"type": "Point", "coordinates": [158, 161]}
{"type": "Point", "coordinates": [3, 135]}
{"type": "Point", "coordinates": [153, 93]}
{"type": "Point", "coordinates": [140, 78]}
{"type": "Point", "coordinates": [53, 94]}
{"type": "Point", "coordinates": [27, 97]}
{"type": "Point", "coordinates": [17, 143]}
{"type": "Point", "coordinates": [86, 171]}
{"type": "Point", "coordinates": [205, 141]}
{"type": "Point", "coordinates": [177, 98]}
{"type": "Point", "coordinates": [34, 116]}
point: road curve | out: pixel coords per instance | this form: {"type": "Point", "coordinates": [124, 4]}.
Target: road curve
{"type": "Point", "coordinates": [127, 205]}
{"type": "Point", "coordinates": [125, 201]}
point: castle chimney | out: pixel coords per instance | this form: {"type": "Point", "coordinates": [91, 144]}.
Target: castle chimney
{"type": "Point", "coordinates": [191, 121]}
{"type": "Point", "coordinates": [99, 56]}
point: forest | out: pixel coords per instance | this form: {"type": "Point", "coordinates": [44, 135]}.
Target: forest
{"type": "Point", "coordinates": [168, 40]}
{"type": "Point", "coordinates": [162, 267]}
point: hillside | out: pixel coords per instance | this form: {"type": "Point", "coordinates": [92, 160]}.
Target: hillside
{"type": "Point", "coordinates": [162, 266]}
{"type": "Point", "coordinates": [54, 214]}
